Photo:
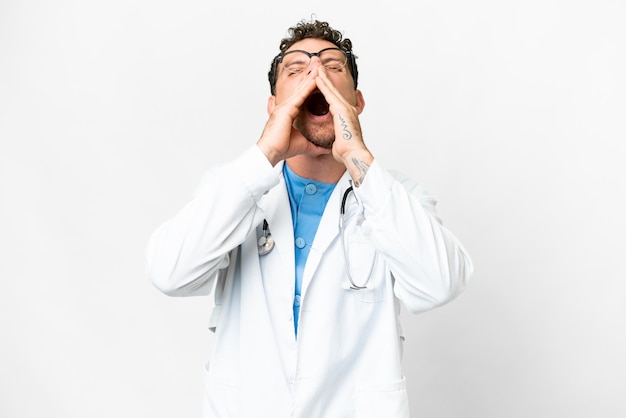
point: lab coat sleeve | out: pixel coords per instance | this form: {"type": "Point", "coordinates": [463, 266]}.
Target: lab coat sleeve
{"type": "Point", "coordinates": [428, 263]}
{"type": "Point", "coordinates": [185, 253]}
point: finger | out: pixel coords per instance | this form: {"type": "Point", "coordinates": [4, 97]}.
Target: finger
{"type": "Point", "coordinates": [328, 89]}
{"type": "Point", "coordinates": [303, 89]}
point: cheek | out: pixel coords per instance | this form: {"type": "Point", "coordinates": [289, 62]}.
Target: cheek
{"type": "Point", "coordinates": [342, 81]}
{"type": "Point", "coordinates": [286, 84]}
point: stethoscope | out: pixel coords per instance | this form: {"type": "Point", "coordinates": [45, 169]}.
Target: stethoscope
{"type": "Point", "coordinates": [266, 243]}
{"type": "Point", "coordinates": [342, 214]}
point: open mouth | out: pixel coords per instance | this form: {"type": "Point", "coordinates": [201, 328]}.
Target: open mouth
{"type": "Point", "coordinates": [316, 104]}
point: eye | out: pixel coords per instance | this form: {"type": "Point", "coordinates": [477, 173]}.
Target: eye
{"type": "Point", "coordinates": [292, 73]}
{"type": "Point", "coordinates": [333, 59]}
{"type": "Point", "coordinates": [295, 69]}
{"type": "Point", "coordinates": [296, 62]}
{"type": "Point", "coordinates": [333, 64]}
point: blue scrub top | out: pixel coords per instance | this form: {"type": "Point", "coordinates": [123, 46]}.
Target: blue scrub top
{"type": "Point", "coordinates": [308, 200]}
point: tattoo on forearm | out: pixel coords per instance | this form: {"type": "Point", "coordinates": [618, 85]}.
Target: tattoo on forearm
{"type": "Point", "coordinates": [347, 135]}
{"type": "Point", "coordinates": [362, 167]}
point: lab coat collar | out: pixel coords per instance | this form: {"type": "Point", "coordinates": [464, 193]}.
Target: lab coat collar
{"type": "Point", "coordinates": [327, 231]}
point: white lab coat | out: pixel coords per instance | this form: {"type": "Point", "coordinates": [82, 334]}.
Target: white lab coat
{"type": "Point", "coordinates": [346, 360]}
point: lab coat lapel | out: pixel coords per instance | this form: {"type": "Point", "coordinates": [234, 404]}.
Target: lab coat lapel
{"type": "Point", "coordinates": [327, 231]}
{"type": "Point", "coordinates": [275, 204]}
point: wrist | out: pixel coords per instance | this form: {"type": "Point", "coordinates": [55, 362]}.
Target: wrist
{"type": "Point", "coordinates": [358, 163]}
{"type": "Point", "coordinates": [270, 153]}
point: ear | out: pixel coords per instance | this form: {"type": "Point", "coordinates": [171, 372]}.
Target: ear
{"type": "Point", "coordinates": [271, 104]}
{"type": "Point", "coordinates": [360, 101]}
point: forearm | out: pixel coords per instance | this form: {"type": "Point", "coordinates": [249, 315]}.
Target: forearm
{"type": "Point", "coordinates": [428, 263]}
{"type": "Point", "coordinates": [185, 252]}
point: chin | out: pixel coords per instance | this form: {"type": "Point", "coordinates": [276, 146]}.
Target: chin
{"type": "Point", "coordinates": [328, 143]}
{"type": "Point", "coordinates": [319, 137]}
{"type": "Point", "coordinates": [322, 136]}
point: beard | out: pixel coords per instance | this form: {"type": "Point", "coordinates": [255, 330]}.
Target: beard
{"type": "Point", "coordinates": [320, 134]}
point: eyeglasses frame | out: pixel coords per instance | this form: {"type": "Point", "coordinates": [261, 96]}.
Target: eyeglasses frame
{"type": "Point", "coordinates": [350, 57]}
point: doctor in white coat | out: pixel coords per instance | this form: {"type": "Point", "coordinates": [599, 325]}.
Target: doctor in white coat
{"type": "Point", "coordinates": [309, 246]}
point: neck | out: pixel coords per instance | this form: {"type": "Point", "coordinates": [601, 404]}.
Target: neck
{"type": "Point", "coordinates": [322, 168]}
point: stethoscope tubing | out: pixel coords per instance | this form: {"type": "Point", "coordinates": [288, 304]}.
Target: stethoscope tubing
{"type": "Point", "coordinates": [342, 213]}
{"type": "Point", "coordinates": [266, 243]}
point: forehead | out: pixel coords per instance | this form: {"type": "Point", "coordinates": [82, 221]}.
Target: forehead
{"type": "Point", "coordinates": [311, 45]}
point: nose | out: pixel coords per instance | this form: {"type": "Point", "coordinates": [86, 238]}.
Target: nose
{"type": "Point", "coordinates": [314, 64]}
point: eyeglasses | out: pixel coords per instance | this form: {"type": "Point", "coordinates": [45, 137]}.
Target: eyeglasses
{"type": "Point", "coordinates": [296, 61]}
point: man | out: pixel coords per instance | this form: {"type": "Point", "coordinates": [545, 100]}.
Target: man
{"type": "Point", "coordinates": [309, 246]}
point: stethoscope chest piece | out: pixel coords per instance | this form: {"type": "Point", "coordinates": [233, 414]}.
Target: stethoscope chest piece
{"type": "Point", "coordinates": [266, 244]}
{"type": "Point", "coordinates": [265, 241]}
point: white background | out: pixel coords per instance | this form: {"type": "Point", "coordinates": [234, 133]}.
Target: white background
{"type": "Point", "coordinates": [512, 113]}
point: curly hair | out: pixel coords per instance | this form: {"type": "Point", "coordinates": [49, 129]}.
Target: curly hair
{"type": "Point", "coordinates": [318, 30]}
